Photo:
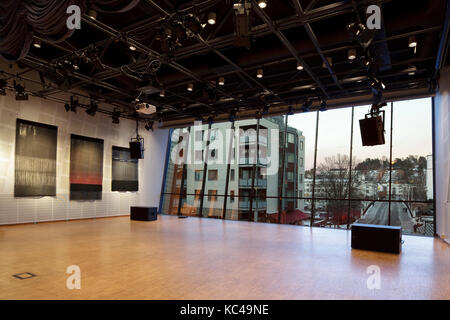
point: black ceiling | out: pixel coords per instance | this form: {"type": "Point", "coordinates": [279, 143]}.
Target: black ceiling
{"type": "Point", "coordinates": [282, 34]}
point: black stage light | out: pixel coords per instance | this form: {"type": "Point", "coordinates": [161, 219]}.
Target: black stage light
{"type": "Point", "coordinates": [73, 104]}
{"type": "Point", "coordinates": [115, 117]}
{"type": "Point", "coordinates": [67, 107]}
{"type": "Point", "coordinates": [306, 106]}
{"type": "Point", "coordinates": [323, 106]}
{"type": "Point", "coordinates": [21, 95]}
{"type": "Point", "coordinates": [92, 109]}
{"type": "Point", "coordinates": [149, 125]}
{"type": "Point", "coordinates": [3, 85]}
{"type": "Point", "coordinates": [290, 111]}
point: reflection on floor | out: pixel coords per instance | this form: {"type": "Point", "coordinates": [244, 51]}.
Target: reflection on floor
{"type": "Point", "coordinates": [211, 259]}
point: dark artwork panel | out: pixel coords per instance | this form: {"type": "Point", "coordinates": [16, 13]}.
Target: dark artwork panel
{"type": "Point", "coordinates": [124, 170]}
{"type": "Point", "coordinates": [35, 159]}
{"type": "Point", "coordinates": [86, 168]}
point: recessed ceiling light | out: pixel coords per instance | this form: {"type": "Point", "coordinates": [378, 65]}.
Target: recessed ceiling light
{"type": "Point", "coordinates": [37, 43]}
{"type": "Point", "coordinates": [412, 42]}
{"type": "Point", "coordinates": [260, 73]}
{"type": "Point", "coordinates": [92, 14]}
{"type": "Point", "coordinates": [352, 54]}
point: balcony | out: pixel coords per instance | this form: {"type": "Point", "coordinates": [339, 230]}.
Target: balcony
{"type": "Point", "coordinates": [247, 183]}
{"type": "Point", "coordinates": [252, 140]}
{"type": "Point", "coordinates": [251, 161]}
{"type": "Point", "coordinates": [257, 204]}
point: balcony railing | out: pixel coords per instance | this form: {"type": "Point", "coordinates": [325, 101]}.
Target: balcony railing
{"type": "Point", "coordinates": [252, 139]}
{"type": "Point", "coordinates": [251, 161]}
{"type": "Point", "coordinates": [257, 204]}
{"type": "Point", "coordinates": [259, 183]}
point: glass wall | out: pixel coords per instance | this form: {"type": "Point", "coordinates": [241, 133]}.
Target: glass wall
{"type": "Point", "coordinates": [307, 169]}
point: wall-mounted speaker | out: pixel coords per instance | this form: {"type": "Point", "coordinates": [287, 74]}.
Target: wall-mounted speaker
{"type": "Point", "coordinates": [136, 150]}
{"type": "Point", "coordinates": [372, 131]}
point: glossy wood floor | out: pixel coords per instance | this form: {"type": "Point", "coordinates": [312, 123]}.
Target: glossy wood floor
{"type": "Point", "coordinates": [211, 259]}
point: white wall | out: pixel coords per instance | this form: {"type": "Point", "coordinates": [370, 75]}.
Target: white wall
{"type": "Point", "coordinates": [23, 210]}
{"type": "Point", "coordinates": [442, 155]}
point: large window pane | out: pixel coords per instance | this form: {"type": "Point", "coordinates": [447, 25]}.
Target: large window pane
{"type": "Point", "coordinates": [305, 124]}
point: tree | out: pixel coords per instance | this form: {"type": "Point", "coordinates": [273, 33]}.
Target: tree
{"type": "Point", "coordinates": [332, 183]}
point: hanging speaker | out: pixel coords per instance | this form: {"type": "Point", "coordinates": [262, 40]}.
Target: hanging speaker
{"type": "Point", "coordinates": [372, 131]}
{"type": "Point", "coordinates": [136, 150]}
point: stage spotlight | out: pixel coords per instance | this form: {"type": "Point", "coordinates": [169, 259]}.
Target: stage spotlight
{"type": "Point", "coordinates": [132, 48]}
{"type": "Point", "coordinates": [92, 110]}
{"type": "Point", "coordinates": [190, 87]}
{"type": "Point", "coordinates": [323, 106]}
{"type": "Point", "coordinates": [162, 93]}
{"type": "Point", "coordinates": [210, 120]}
{"type": "Point", "coordinates": [3, 85]}
{"type": "Point", "coordinates": [221, 81]}
{"type": "Point", "coordinates": [115, 117]}
{"type": "Point", "coordinates": [149, 125]}
{"type": "Point", "coordinates": [361, 34]}
{"type": "Point", "coordinates": [212, 18]}
{"type": "Point", "coordinates": [306, 106]}
{"type": "Point", "coordinates": [232, 116]}
{"type": "Point", "coordinates": [299, 66]}
{"type": "Point", "coordinates": [21, 95]}
{"type": "Point", "coordinates": [67, 107]}
{"type": "Point", "coordinates": [73, 104]}
{"type": "Point", "coordinates": [262, 3]}
{"type": "Point", "coordinates": [330, 62]}
{"type": "Point", "coordinates": [265, 110]}
{"type": "Point", "coordinates": [290, 111]}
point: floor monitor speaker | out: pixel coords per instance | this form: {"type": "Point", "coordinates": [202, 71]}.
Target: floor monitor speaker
{"type": "Point", "coordinates": [377, 238]}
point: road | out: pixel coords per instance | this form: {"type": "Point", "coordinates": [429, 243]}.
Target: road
{"type": "Point", "coordinates": [378, 213]}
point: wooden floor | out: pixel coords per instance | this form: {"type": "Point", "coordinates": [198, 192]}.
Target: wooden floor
{"type": "Point", "coordinates": [211, 259]}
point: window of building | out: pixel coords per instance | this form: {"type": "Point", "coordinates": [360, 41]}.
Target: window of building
{"type": "Point", "coordinates": [212, 195]}
{"type": "Point", "coordinates": [232, 175]}
{"type": "Point", "coordinates": [300, 178]}
{"type": "Point", "coordinates": [290, 138]}
{"type": "Point", "coordinates": [301, 162]}
{"type": "Point", "coordinates": [198, 155]}
{"type": "Point", "coordinates": [291, 157]}
{"type": "Point", "coordinates": [290, 176]}
{"type": "Point", "coordinates": [199, 135]}
{"type": "Point", "coordinates": [212, 175]}
{"type": "Point", "coordinates": [198, 175]}
{"type": "Point", "coordinates": [232, 196]}
{"type": "Point", "coordinates": [302, 145]}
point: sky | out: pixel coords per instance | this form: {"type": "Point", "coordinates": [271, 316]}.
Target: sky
{"type": "Point", "coordinates": [412, 132]}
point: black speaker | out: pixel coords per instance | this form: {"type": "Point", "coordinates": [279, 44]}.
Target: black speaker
{"type": "Point", "coordinates": [377, 238]}
{"type": "Point", "coordinates": [372, 131]}
{"type": "Point", "coordinates": [144, 213]}
{"type": "Point", "coordinates": [136, 150]}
